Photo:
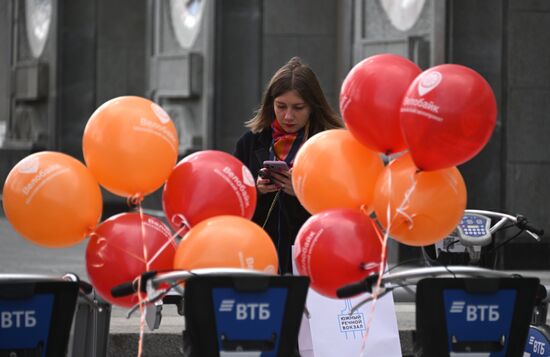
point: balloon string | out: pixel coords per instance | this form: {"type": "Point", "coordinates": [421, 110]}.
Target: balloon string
{"type": "Point", "coordinates": [376, 290]}
{"type": "Point", "coordinates": [141, 300]}
{"type": "Point", "coordinates": [380, 271]}
{"type": "Point", "coordinates": [172, 240]}
{"type": "Point", "coordinates": [141, 303]}
{"type": "Point", "coordinates": [127, 252]}
{"type": "Point", "coordinates": [365, 211]}
{"type": "Point", "coordinates": [401, 210]}
{"type": "Point", "coordinates": [100, 251]}
{"type": "Point", "coordinates": [143, 245]}
{"type": "Point", "coordinates": [147, 268]}
{"type": "Point", "coordinates": [375, 294]}
{"type": "Point", "coordinates": [379, 235]}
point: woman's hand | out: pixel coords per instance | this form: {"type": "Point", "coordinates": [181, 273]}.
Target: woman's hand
{"type": "Point", "coordinates": [265, 185]}
{"type": "Point", "coordinates": [283, 179]}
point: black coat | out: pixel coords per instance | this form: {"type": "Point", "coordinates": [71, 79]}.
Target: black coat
{"type": "Point", "coordinates": [288, 215]}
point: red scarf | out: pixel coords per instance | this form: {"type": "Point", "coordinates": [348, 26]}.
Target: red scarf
{"type": "Point", "coordinates": [283, 141]}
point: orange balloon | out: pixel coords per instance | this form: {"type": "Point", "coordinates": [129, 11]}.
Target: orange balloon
{"type": "Point", "coordinates": [52, 199]}
{"type": "Point", "coordinates": [131, 145]}
{"type": "Point", "coordinates": [227, 242]}
{"type": "Point", "coordinates": [423, 207]}
{"type": "Point", "coordinates": [333, 170]}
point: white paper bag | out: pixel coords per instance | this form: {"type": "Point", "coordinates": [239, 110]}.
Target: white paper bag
{"type": "Point", "coordinates": [331, 332]}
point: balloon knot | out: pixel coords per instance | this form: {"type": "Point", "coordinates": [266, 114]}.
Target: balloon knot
{"type": "Point", "coordinates": [134, 200]}
{"type": "Point", "coordinates": [364, 209]}
{"type": "Point", "coordinates": [180, 221]}
{"type": "Point", "coordinates": [90, 232]}
{"type": "Point", "coordinates": [409, 219]}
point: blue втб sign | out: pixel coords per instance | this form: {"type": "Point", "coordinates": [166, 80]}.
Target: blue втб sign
{"type": "Point", "coordinates": [25, 323]}
{"type": "Point", "coordinates": [537, 344]}
{"type": "Point", "coordinates": [250, 316]}
{"type": "Point", "coordinates": [479, 318]}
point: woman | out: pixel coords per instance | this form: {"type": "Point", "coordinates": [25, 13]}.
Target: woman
{"type": "Point", "coordinates": [293, 109]}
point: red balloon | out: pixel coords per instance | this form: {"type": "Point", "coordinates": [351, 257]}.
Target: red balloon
{"type": "Point", "coordinates": [447, 116]}
{"type": "Point", "coordinates": [337, 247]}
{"type": "Point", "coordinates": [371, 97]}
{"type": "Point", "coordinates": [122, 248]}
{"type": "Point", "coordinates": [206, 184]}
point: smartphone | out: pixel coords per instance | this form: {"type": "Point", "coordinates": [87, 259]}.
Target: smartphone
{"type": "Point", "coordinates": [276, 165]}
{"type": "Point", "coordinates": [265, 175]}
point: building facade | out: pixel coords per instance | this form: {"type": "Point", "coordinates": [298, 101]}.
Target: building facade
{"type": "Point", "coordinates": [207, 62]}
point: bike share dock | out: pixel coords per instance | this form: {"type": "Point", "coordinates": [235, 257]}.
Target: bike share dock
{"type": "Point", "coordinates": [20, 256]}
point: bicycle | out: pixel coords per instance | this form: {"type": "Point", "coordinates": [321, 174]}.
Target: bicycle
{"type": "Point", "coordinates": [227, 311]}
{"type": "Point", "coordinates": [473, 242]}
{"type": "Point", "coordinates": [46, 315]}
{"type": "Point", "coordinates": [474, 237]}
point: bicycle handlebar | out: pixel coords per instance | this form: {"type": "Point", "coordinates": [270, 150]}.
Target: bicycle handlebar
{"type": "Point", "coordinates": [124, 289]}
{"type": "Point", "coordinates": [520, 221]}
{"type": "Point", "coordinates": [410, 276]}
{"type": "Point", "coordinates": [359, 287]}
{"type": "Point", "coordinates": [156, 279]}
{"type": "Point", "coordinates": [434, 272]}
{"type": "Point", "coordinates": [130, 287]}
{"type": "Point", "coordinates": [85, 287]}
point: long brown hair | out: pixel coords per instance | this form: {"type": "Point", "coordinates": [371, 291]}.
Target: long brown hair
{"type": "Point", "coordinates": [297, 76]}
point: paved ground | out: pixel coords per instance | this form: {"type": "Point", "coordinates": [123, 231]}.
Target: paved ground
{"type": "Point", "coordinates": [18, 255]}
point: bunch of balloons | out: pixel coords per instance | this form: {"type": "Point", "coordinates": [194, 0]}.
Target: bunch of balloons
{"type": "Point", "coordinates": [130, 148]}
{"type": "Point", "coordinates": [130, 145]}
{"type": "Point", "coordinates": [427, 123]}
{"type": "Point", "coordinates": [214, 195]}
